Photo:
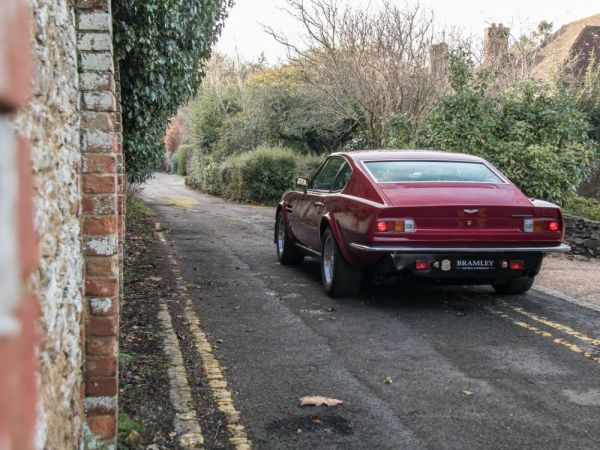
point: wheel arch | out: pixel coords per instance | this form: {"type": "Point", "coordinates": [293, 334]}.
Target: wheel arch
{"type": "Point", "coordinates": [328, 221]}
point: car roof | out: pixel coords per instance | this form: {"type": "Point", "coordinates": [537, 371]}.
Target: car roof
{"type": "Point", "coordinates": [408, 154]}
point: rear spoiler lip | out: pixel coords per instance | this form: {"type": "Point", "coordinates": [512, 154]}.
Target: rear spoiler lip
{"type": "Point", "coordinates": [561, 248]}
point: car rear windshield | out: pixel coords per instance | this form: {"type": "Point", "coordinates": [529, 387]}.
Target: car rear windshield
{"type": "Point", "coordinates": [411, 171]}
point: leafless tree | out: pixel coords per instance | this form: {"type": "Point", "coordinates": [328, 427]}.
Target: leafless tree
{"type": "Point", "coordinates": [369, 64]}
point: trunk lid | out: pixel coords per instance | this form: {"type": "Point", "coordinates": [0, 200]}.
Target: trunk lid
{"type": "Point", "coordinates": [459, 211]}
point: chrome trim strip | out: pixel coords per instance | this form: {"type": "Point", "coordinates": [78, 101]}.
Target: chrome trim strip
{"type": "Point", "coordinates": [562, 248]}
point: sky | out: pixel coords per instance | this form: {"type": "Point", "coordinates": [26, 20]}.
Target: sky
{"type": "Point", "coordinates": [244, 34]}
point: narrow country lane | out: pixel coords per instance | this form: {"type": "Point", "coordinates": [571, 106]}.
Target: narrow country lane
{"type": "Point", "coordinates": [468, 368]}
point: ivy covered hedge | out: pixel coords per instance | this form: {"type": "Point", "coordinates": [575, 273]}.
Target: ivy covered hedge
{"type": "Point", "coordinates": [160, 46]}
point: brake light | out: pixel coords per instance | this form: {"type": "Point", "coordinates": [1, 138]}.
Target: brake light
{"type": "Point", "coordinates": [421, 265]}
{"type": "Point", "coordinates": [517, 264]}
{"type": "Point", "coordinates": [382, 226]}
{"type": "Point", "coordinates": [539, 226]}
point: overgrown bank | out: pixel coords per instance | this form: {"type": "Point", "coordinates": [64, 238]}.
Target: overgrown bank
{"type": "Point", "coordinates": [146, 415]}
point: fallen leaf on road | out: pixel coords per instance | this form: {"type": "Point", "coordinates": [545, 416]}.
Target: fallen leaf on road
{"type": "Point", "coordinates": [388, 380]}
{"type": "Point", "coordinates": [467, 392]}
{"type": "Point", "coordinates": [318, 400]}
{"type": "Point", "coordinates": [133, 438]}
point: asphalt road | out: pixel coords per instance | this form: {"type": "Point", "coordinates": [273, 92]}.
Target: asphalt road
{"type": "Point", "coordinates": [468, 368]}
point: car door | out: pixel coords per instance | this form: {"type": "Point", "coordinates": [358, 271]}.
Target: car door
{"type": "Point", "coordinates": [296, 207]}
{"type": "Point", "coordinates": [316, 198]}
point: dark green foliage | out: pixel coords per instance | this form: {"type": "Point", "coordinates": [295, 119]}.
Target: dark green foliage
{"type": "Point", "coordinates": [307, 165]}
{"type": "Point", "coordinates": [181, 156]}
{"type": "Point", "coordinates": [585, 89]}
{"type": "Point", "coordinates": [538, 138]}
{"type": "Point", "coordinates": [259, 176]}
{"type": "Point", "coordinates": [581, 206]}
{"type": "Point", "coordinates": [203, 173]}
{"type": "Point", "coordinates": [399, 131]}
{"type": "Point", "coordinates": [160, 46]}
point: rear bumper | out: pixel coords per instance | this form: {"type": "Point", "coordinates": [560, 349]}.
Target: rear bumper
{"type": "Point", "coordinates": [562, 248]}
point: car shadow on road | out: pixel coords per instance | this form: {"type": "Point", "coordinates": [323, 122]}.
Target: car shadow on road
{"type": "Point", "coordinates": [409, 295]}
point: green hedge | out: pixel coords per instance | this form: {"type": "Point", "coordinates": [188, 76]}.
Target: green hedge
{"type": "Point", "coordinates": [181, 156]}
{"type": "Point", "coordinates": [258, 176]}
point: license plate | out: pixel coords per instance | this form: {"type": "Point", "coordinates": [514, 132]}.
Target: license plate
{"type": "Point", "coordinates": [474, 264]}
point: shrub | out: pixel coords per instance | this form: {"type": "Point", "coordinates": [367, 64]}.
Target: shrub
{"type": "Point", "coordinates": [258, 176]}
{"type": "Point", "coordinates": [541, 171]}
{"type": "Point", "coordinates": [203, 173]}
{"type": "Point", "coordinates": [307, 165]}
{"type": "Point", "coordinates": [181, 156]}
{"type": "Point", "coordinates": [173, 163]}
{"type": "Point", "coordinates": [537, 137]}
{"type": "Point", "coordinates": [581, 206]}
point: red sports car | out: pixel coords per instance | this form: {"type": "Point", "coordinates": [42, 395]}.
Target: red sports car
{"type": "Point", "coordinates": [448, 218]}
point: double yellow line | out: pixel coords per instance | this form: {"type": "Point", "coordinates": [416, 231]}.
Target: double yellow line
{"type": "Point", "coordinates": [589, 341]}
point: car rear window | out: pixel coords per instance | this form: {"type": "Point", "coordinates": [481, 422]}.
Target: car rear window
{"type": "Point", "coordinates": [414, 171]}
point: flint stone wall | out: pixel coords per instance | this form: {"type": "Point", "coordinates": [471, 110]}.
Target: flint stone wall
{"type": "Point", "coordinates": [51, 123]}
{"type": "Point", "coordinates": [583, 235]}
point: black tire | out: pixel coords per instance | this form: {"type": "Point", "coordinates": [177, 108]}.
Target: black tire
{"type": "Point", "coordinates": [287, 253]}
{"type": "Point", "coordinates": [516, 286]}
{"type": "Point", "coordinates": [339, 278]}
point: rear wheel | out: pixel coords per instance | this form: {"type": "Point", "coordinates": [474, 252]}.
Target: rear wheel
{"type": "Point", "coordinates": [287, 252]}
{"type": "Point", "coordinates": [516, 286]}
{"type": "Point", "coordinates": [339, 278]}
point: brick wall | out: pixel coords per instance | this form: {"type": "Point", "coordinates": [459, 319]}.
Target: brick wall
{"type": "Point", "coordinates": [102, 223]}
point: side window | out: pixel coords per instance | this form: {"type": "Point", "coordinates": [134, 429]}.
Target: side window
{"type": "Point", "coordinates": [326, 177]}
{"type": "Point", "coordinates": [342, 178]}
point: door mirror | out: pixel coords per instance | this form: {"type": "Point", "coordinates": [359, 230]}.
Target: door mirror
{"type": "Point", "coordinates": [302, 183]}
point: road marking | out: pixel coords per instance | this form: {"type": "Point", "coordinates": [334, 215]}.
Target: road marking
{"type": "Point", "coordinates": [573, 347]}
{"type": "Point", "coordinates": [212, 369]}
{"type": "Point", "coordinates": [557, 326]}
{"type": "Point", "coordinates": [187, 427]}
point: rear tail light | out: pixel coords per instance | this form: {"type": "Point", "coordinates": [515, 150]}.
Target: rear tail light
{"type": "Point", "coordinates": [398, 226]}
{"type": "Point", "coordinates": [382, 226]}
{"type": "Point", "coordinates": [540, 225]}
{"type": "Point", "coordinates": [421, 265]}
{"type": "Point", "coordinates": [553, 226]}
{"type": "Point", "coordinates": [517, 264]}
